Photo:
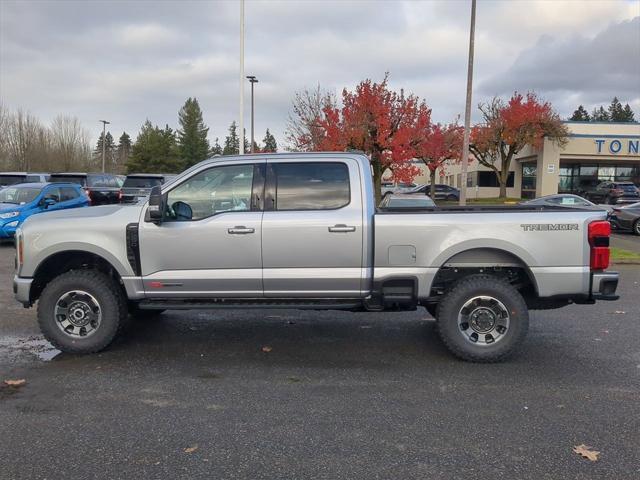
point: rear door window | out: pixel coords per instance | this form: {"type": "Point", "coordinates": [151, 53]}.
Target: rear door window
{"type": "Point", "coordinates": [311, 186]}
{"type": "Point", "coordinates": [68, 193]}
{"type": "Point", "coordinates": [53, 192]}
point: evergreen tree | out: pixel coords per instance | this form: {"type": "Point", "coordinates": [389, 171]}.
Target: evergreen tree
{"type": "Point", "coordinates": [628, 114]}
{"type": "Point", "coordinates": [109, 150]}
{"type": "Point", "coordinates": [123, 151]}
{"type": "Point", "coordinates": [600, 115]}
{"type": "Point", "coordinates": [616, 112]}
{"type": "Point", "coordinates": [192, 135]}
{"type": "Point", "coordinates": [269, 141]}
{"type": "Point", "coordinates": [231, 142]}
{"type": "Point", "coordinates": [155, 151]}
{"type": "Point", "coordinates": [580, 115]}
{"type": "Point", "coordinates": [217, 149]}
{"type": "Point", "coordinates": [247, 145]}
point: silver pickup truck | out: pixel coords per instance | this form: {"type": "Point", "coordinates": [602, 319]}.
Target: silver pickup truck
{"type": "Point", "coordinates": [302, 231]}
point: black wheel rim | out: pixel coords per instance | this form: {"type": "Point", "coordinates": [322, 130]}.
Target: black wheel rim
{"type": "Point", "coordinates": [483, 320]}
{"type": "Point", "coordinates": [77, 314]}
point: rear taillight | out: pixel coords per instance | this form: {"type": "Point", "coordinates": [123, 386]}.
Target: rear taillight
{"type": "Point", "coordinates": [617, 191]}
{"type": "Point", "coordinates": [87, 192]}
{"type": "Point", "coordinates": [598, 235]}
{"type": "Point", "coordinates": [120, 195]}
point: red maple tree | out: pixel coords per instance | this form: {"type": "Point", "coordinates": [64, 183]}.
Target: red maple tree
{"type": "Point", "coordinates": [507, 128]}
{"type": "Point", "coordinates": [388, 126]}
{"type": "Point", "coordinates": [443, 143]}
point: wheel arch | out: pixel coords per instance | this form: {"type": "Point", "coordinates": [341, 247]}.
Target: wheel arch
{"type": "Point", "coordinates": [61, 262]}
{"type": "Point", "coordinates": [476, 259]}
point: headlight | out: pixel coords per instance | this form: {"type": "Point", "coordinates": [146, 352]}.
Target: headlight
{"type": "Point", "coordinates": [6, 215]}
{"type": "Point", "coordinates": [12, 224]}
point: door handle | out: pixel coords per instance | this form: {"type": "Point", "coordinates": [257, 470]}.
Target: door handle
{"type": "Point", "coordinates": [240, 230]}
{"type": "Point", "coordinates": [341, 228]}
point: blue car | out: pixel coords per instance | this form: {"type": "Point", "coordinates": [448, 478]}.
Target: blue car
{"type": "Point", "coordinates": [19, 202]}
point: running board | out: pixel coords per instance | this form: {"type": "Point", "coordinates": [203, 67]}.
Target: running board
{"type": "Point", "coordinates": [210, 304]}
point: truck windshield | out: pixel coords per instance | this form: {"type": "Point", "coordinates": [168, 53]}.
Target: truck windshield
{"type": "Point", "coordinates": [19, 195]}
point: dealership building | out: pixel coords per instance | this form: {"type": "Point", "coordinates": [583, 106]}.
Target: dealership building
{"type": "Point", "coordinates": [595, 152]}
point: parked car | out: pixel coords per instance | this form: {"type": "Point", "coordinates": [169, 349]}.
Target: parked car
{"type": "Point", "coordinates": [402, 187]}
{"type": "Point", "coordinates": [626, 218]}
{"type": "Point", "coordinates": [443, 192]}
{"type": "Point", "coordinates": [19, 202]}
{"type": "Point", "coordinates": [14, 178]}
{"type": "Point", "coordinates": [101, 188]}
{"type": "Point", "coordinates": [138, 185]}
{"type": "Point", "coordinates": [406, 201]}
{"type": "Point", "coordinates": [302, 231]}
{"type": "Point", "coordinates": [562, 200]}
{"type": "Point", "coordinates": [613, 193]}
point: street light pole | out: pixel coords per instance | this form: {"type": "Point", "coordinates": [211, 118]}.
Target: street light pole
{"type": "Point", "coordinates": [104, 138]}
{"type": "Point", "coordinates": [467, 111]}
{"type": "Point", "coordinates": [253, 80]}
{"type": "Point", "coordinates": [241, 123]}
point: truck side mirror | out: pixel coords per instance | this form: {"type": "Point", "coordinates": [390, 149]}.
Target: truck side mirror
{"type": "Point", "coordinates": [156, 205]}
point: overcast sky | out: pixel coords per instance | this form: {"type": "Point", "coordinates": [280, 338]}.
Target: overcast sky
{"type": "Point", "coordinates": [126, 61]}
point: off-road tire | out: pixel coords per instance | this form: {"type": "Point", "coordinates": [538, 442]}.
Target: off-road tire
{"type": "Point", "coordinates": [109, 296]}
{"type": "Point", "coordinates": [466, 289]}
{"type": "Point", "coordinates": [432, 308]}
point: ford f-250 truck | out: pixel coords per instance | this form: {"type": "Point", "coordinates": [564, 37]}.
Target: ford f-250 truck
{"type": "Point", "coordinates": [301, 231]}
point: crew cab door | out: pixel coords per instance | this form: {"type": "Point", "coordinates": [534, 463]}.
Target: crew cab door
{"type": "Point", "coordinates": [312, 229]}
{"type": "Point", "coordinates": [209, 242]}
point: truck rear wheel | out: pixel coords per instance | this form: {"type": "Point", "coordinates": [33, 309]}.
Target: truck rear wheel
{"type": "Point", "coordinates": [81, 311]}
{"type": "Point", "coordinates": [482, 319]}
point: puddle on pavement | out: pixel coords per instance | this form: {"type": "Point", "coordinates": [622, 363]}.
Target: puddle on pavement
{"type": "Point", "coordinates": [15, 347]}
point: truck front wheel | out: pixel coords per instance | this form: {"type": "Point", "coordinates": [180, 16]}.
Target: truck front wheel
{"type": "Point", "coordinates": [482, 319]}
{"type": "Point", "coordinates": [81, 311]}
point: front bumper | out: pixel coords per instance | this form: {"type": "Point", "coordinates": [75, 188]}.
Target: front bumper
{"type": "Point", "coordinates": [604, 285]}
{"type": "Point", "coordinates": [22, 290]}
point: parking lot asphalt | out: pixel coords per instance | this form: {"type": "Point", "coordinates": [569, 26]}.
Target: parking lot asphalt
{"type": "Point", "coordinates": [338, 396]}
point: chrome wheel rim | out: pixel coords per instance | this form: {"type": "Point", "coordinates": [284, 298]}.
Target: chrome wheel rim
{"type": "Point", "coordinates": [483, 320]}
{"type": "Point", "coordinates": [637, 227]}
{"type": "Point", "coordinates": [78, 314]}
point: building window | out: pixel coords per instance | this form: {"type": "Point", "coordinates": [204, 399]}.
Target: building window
{"type": "Point", "coordinates": [581, 178]}
{"type": "Point", "coordinates": [489, 179]}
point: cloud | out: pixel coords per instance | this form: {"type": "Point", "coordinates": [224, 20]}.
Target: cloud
{"type": "Point", "coordinates": [587, 70]}
{"type": "Point", "coordinates": [100, 60]}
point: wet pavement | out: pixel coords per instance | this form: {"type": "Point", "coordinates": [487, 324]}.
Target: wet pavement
{"type": "Point", "coordinates": [337, 395]}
